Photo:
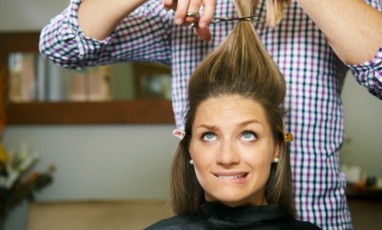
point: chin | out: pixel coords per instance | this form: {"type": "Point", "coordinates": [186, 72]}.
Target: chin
{"type": "Point", "coordinates": [234, 204]}
{"type": "Point", "coordinates": [235, 200]}
{"type": "Point", "coordinates": [230, 201]}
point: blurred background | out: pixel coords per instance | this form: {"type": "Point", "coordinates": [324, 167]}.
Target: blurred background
{"type": "Point", "coordinates": [132, 161]}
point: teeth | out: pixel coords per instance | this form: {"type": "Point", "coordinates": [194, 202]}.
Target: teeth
{"type": "Point", "coordinates": [232, 177]}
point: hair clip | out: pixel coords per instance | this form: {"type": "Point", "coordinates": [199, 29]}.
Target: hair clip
{"type": "Point", "coordinates": [179, 133]}
{"type": "Point", "coordinates": [288, 137]}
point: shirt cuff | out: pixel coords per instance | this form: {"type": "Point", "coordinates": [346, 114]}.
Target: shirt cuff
{"type": "Point", "coordinates": [374, 66]}
{"type": "Point", "coordinates": [71, 30]}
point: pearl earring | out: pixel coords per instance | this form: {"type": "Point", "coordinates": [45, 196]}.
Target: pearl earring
{"type": "Point", "coordinates": [191, 162]}
{"type": "Point", "coordinates": [276, 160]}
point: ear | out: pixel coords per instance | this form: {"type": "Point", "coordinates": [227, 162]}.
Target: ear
{"type": "Point", "coordinates": [276, 154]}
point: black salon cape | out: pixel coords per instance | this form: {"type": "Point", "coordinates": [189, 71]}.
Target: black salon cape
{"type": "Point", "coordinates": [216, 216]}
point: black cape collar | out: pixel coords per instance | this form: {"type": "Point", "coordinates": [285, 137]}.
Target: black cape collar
{"type": "Point", "coordinates": [246, 214]}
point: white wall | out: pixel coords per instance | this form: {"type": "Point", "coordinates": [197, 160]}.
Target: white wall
{"type": "Point", "coordinates": [363, 128]}
{"type": "Point", "coordinates": [101, 162]}
{"type": "Point", "coordinates": [28, 14]}
{"type": "Point", "coordinates": [98, 162]}
{"type": "Point", "coordinates": [132, 162]}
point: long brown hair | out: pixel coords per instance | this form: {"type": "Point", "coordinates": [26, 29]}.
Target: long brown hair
{"type": "Point", "coordinates": [275, 11]}
{"type": "Point", "coordinates": [239, 66]}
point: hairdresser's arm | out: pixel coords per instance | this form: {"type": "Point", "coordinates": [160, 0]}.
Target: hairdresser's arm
{"type": "Point", "coordinates": [98, 18]}
{"type": "Point", "coordinates": [102, 38]}
{"type": "Point", "coordinates": [352, 27]}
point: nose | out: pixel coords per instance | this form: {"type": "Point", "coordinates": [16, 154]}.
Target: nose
{"type": "Point", "coordinates": [227, 154]}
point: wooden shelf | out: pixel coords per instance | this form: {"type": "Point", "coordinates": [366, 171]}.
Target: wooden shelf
{"type": "Point", "coordinates": [111, 112]}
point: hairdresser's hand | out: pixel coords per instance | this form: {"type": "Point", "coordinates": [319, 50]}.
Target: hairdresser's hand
{"type": "Point", "coordinates": [182, 7]}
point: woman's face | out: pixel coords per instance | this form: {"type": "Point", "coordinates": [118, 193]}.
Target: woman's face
{"type": "Point", "coordinates": [232, 149]}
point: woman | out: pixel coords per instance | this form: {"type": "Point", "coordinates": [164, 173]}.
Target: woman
{"type": "Point", "coordinates": [231, 169]}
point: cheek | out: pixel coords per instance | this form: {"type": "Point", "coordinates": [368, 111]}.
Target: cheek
{"type": "Point", "coordinates": [193, 149]}
{"type": "Point", "coordinates": [202, 157]}
{"type": "Point", "coordinates": [200, 151]}
{"type": "Point", "coordinates": [259, 162]}
{"type": "Point", "coordinates": [260, 156]}
{"type": "Point", "coordinates": [198, 166]}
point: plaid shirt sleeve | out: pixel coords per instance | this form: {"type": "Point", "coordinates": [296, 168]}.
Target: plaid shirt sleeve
{"type": "Point", "coordinates": [142, 36]}
{"type": "Point", "coordinates": [369, 74]}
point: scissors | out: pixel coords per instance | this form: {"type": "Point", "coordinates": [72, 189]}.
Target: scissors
{"type": "Point", "coordinates": [222, 19]}
{"type": "Point", "coordinates": [226, 19]}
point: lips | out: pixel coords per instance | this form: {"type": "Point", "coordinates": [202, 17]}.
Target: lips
{"type": "Point", "coordinates": [231, 176]}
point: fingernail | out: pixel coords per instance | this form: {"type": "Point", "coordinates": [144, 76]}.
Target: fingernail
{"type": "Point", "coordinates": [178, 21]}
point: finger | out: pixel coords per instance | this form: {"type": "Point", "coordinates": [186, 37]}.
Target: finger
{"type": "Point", "coordinates": [181, 11]}
{"type": "Point", "coordinates": [191, 19]}
{"type": "Point", "coordinates": [203, 33]}
{"type": "Point", "coordinates": [193, 8]}
{"type": "Point", "coordinates": [169, 4]}
{"type": "Point", "coordinates": [208, 13]}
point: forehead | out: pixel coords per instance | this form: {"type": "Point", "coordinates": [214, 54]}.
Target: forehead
{"type": "Point", "coordinates": [229, 108]}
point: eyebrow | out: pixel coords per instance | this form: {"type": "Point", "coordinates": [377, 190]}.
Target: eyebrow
{"type": "Point", "coordinates": [241, 124]}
